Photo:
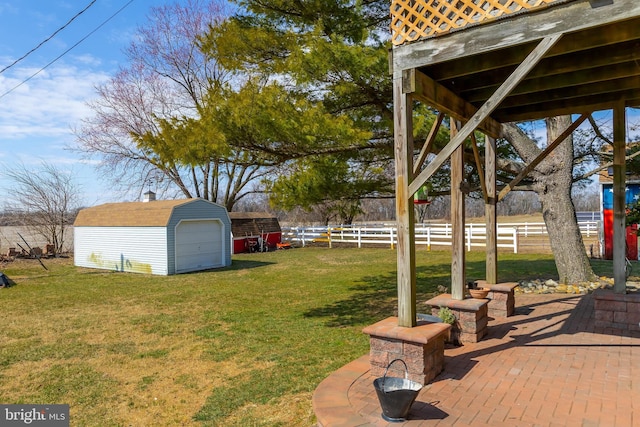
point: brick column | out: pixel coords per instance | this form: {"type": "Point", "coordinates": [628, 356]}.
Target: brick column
{"type": "Point", "coordinates": [502, 300]}
{"type": "Point", "coordinates": [471, 315]}
{"type": "Point", "coordinates": [421, 347]}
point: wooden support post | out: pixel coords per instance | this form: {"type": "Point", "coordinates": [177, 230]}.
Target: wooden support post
{"type": "Point", "coordinates": [403, 142]}
{"type": "Point", "coordinates": [491, 220]}
{"type": "Point", "coordinates": [457, 218]}
{"type": "Point", "coordinates": [619, 184]}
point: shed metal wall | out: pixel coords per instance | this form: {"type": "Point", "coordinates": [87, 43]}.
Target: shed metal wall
{"type": "Point", "coordinates": [120, 249]}
{"type": "Point", "coordinates": [198, 209]}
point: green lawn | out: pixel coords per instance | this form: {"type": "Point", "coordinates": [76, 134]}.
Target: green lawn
{"type": "Point", "coordinates": [242, 346]}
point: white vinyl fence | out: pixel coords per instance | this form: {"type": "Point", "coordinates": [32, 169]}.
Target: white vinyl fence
{"type": "Point", "coordinates": [428, 235]}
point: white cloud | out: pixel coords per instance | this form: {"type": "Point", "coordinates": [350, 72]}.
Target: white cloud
{"type": "Point", "coordinates": [36, 119]}
{"type": "Point", "coordinates": [48, 104]}
{"type": "Point", "coordinates": [89, 60]}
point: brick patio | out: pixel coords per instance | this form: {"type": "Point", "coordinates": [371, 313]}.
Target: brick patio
{"type": "Point", "coordinates": [548, 365]}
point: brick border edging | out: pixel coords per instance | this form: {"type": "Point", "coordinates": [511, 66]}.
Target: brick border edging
{"type": "Point", "coordinates": [330, 400]}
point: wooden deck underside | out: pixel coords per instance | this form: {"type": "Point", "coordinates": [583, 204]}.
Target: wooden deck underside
{"type": "Point", "coordinates": [592, 65]}
{"type": "Point", "coordinates": [576, 57]}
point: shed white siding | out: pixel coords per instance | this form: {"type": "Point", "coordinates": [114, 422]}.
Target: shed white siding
{"type": "Point", "coordinates": [120, 249]}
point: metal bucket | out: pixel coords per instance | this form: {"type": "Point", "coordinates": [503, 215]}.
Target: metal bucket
{"type": "Point", "coordinates": [396, 395]}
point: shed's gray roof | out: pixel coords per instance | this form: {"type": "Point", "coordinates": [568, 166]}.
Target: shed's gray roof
{"type": "Point", "coordinates": [130, 214]}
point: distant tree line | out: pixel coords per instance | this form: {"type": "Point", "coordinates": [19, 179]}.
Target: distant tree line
{"type": "Point", "coordinates": [19, 218]}
{"type": "Point", "coordinates": [379, 210]}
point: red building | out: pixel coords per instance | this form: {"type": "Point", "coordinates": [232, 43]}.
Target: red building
{"type": "Point", "coordinates": [254, 231]}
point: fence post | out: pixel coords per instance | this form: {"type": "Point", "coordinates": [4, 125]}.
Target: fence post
{"type": "Point", "coordinates": [469, 231]}
{"type": "Point", "coordinates": [391, 234]}
{"type": "Point", "coordinates": [329, 235]}
{"type": "Point", "coordinates": [515, 240]}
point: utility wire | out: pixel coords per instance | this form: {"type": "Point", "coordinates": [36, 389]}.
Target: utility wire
{"type": "Point", "coordinates": [47, 39]}
{"type": "Point", "coordinates": [66, 51]}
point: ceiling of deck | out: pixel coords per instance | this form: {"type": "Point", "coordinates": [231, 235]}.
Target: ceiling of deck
{"type": "Point", "coordinates": [594, 65]}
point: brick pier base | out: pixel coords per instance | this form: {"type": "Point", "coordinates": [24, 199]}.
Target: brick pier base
{"type": "Point", "coordinates": [421, 348]}
{"type": "Point", "coordinates": [502, 300]}
{"type": "Point", "coordinates": [471, 314]}
{"type": "Point", "coordinates": [616, 311]}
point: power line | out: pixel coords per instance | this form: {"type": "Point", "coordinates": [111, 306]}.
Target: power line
{"type": "Point", "coordinates": [47, 39]}
{"type": "Point", "coordinates": [66, 51]}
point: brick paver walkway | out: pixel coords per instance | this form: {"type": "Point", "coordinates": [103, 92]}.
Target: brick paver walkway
{"type": "Point", "coordinates": [545, 366]}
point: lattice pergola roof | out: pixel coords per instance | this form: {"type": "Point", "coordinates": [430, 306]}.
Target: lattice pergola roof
{"type": "Point", "coordinates": [415, 19]}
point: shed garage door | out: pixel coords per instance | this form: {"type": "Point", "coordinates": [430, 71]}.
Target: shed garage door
{"type": "Point", "coordinates": [199, 245]}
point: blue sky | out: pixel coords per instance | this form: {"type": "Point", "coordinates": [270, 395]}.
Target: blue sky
{"type": "Point", "coordinates": [36, 119]}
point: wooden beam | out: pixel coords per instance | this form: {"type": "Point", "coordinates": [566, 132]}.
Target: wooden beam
{"type": "Point", "coordinates": [579, 79]}
{"type": "Point", "coordinates": [619, 198]}
{"type": "Point", "coordinates": [458, 280]}
{"type": "Point", "coordinates": [575, 52]}
{"type": "Point", "coordinates": [490, 214]}
{"type": "Point", "coordinates": [442, 99]}
{"type": "Point", "coordinates": [572, 90]}
{"type": "Point", "coordinates": [403, 144]}
{"type": "Point", "coordinates": [543, 155]}
{"type": "Point", "coordinates": [476, 157]}
{"type": "Point", "coordinates": [570, 17]}
{"type": "Point", "coordinates": [604, 101]}
{"type": "Point", "coordinates": [483, 113]}
{"type": "Point", "coordinates": [428, 143]}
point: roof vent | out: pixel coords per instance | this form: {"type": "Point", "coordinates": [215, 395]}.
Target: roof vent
{"type": "Point", "coordinates": [149, 196]}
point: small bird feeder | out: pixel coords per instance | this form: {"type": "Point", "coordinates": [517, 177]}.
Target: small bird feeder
{"type": "Point", "coordinates": [422, 196]}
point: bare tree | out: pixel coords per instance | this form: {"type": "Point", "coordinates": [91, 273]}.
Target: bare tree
{"type": "Point", "coordinates": [587, 199]}
{"type": "Point", "coordinates": [48, 200]}
{"type": "Point", "coordinates": [168, 78]}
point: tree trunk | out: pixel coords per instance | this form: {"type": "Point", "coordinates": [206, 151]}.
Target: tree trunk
{"type": "Point", "coordinates": [554, 191]}
{"type": "Point", "coordinates": [553, 179]}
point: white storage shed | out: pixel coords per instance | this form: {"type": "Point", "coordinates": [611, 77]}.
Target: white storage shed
{"type": "Point", "coordinates": [156, 237]}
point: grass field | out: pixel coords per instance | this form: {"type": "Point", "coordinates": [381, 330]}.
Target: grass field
{"type": "Point", "coordinates": [242, 346]}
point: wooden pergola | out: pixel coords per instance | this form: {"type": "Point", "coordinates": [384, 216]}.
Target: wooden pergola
{"type": "Point", "coordinates": [488, 62]}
